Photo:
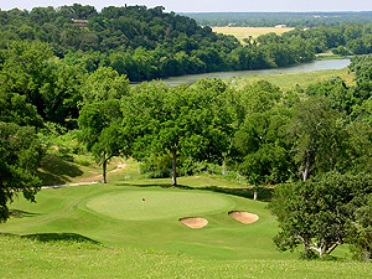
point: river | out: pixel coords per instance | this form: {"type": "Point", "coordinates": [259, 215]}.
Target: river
{"type": "Point", "coordinates": [317, 65]}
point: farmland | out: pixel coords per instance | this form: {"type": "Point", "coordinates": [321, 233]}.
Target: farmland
{"type": "Point", "coordinates": [246, 32]}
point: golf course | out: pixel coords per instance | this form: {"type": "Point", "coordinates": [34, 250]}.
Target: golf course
{"type": "Point", "coordinates": [139, 142]}
{"type": "Point", "coordinates": [133, 229]}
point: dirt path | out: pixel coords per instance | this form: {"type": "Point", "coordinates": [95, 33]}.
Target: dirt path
{"type": "Point", "coordinates": [95, 179]}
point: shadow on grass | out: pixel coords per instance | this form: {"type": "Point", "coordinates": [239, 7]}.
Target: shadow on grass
{"type": "Point", "coordinates": [264, 193]}
{"type": "Point", "coordinates": [152, 184]}
{"type": "Point", "coordinates": [15, 213]}
{"type": "Point", "coordinates": [55, 170]}
{"type": "Point", "coordinates": [51, 237]}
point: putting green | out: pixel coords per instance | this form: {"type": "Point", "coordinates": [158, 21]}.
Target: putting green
{"type": "Point", "coordinates": [149, 205]}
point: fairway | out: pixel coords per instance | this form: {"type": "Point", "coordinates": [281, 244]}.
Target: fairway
{"type": "Point", "coordinates": [161, 204]}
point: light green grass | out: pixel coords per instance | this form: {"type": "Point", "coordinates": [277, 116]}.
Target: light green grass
{"type": "Point", "coordinates": [26, 258]}
{"type": "Point", "coordinates": [114, 246]}
{"type": "Point", "coordinates": [291, 80]}
{"type": "Point", "coordinates": [78, 210]}
{"type": "Point", "coordinates": [107, 231]}
{"type": "Point", "coordinates": [150, 205]}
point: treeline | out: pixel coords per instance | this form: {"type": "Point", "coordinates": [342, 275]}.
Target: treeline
{"type": "Point", "coordinates": [146, 44]}
{"type": "Point", "coordinates": [290, 19]}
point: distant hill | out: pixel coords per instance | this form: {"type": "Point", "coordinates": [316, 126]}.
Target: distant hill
{"type": "Point", "coordinates": [290, 19]}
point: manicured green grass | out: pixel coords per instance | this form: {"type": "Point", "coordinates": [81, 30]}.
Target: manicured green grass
{"type": "Point", "coordinates": [145, 205]}
{"type": "Point", "coordinates": [115, 216]}
{"type": "Point", "coordinates": [108, 231]}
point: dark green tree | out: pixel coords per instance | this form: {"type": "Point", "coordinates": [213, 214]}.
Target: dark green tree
{"type": "Point", "coordinates": [20, 155]}
{"type": "Point", "coordinates": [100, 130]}
{"type": "Point", "coordinates": [317, 134]}
{"type": "Point", "coordinates": [321, 213]}
{"type": "Point", "coordinates": [178, 122]}
{"type": "Point", "coordinates": [260, 143]}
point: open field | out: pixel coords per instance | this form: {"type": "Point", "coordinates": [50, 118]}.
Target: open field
{"type": "Point", "coordinates": [245, 32]}
{"type": "Point", "coordinates": [291, 80]}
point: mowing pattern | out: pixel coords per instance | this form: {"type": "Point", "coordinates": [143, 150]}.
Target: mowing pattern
{"type": "Point", "coordinates": [159, 204]}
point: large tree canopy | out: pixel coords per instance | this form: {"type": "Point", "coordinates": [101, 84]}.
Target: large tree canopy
{"type": "Point", "coordinates": [192, 123]}
{"type": "Point", "coordinates": [20, 155]}
{"type": "Point", "coordinates": [101, 132]}
{"type": "Point", "coordinates": [323, 212]}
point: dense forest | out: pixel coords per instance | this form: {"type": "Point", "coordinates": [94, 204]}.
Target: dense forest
{"type": "Point", "coordinates": [290, 19]}
{"type": "Point", "coordinates": [146, 44]}
{"type": "Point", "coordinates": [315, 143]}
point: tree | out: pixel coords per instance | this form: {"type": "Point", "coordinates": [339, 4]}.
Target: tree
{"type": "Point", "coordinates": [181, 122]}
{"type": "Point", "coordinates": [24, 71]}
{"type": "Point", "coordinates": [321, 213]}
{"type": "Point", "coordinates": [100, 126]}
{"type": "Point", "coordinates": [361, 236]}
{"type": "Point", "coordinates": [317, 134]}
{"type": "Point", "coordinates": [261, 152]}
{"type": "Point", "coordinates": [260, 142]}
{"type": "Point", "coordinates": [20, 155]}
{"type": "Point", "coordinates": [103, 84]}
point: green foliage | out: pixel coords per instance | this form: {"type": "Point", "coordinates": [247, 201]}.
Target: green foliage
{"type": "Point", "coordinates": [338, 95]}
{"type": "Point", "coordinates": [146, 44]}
{"type": "Point", "coordinates": [101, 131]}
{"type": "Point", "coordinates": [317, 134]}
{"type": "Point", "coordinates": [157, 166]}
{"type": "Point", "coordinates": [362, 235]}
{"type": "Point", "coordinates": [185, 122]}
{"type": "Point", "coordinates": [104, 84]}
{"type": "Point", "coordinates": [20, 155]}
{"type": "Point", "coordinates": [321, 213]}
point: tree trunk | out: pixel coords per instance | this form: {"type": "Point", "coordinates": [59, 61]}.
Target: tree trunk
{"type": "Point", "coordinates": [104, 171]}
{"type": "Point", "coordinates": [104, 168]}
{"type": "Point", "coordinates": [255, 194]}
{"type": "Point", "coordinates": [174, 166]}
{"type": "Point", "coordinates": [305, 172]}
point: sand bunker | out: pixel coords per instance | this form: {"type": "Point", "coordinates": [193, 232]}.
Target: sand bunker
{"type": "Point", "coordinates": [194, 222]}
{"type": "Point", "coordinates": [243, 217]}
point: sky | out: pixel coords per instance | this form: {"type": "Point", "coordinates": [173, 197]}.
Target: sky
{"type": "Point", "coordinates": [207, 5]}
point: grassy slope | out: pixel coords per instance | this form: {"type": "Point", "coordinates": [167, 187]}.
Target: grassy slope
{"type": "Point", "coordinates": [25, 258]}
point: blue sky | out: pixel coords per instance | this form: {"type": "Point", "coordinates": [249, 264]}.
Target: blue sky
{"type": "Point", "coordinates": [208, 5]}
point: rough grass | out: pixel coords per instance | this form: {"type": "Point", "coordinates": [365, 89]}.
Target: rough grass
{"type": "Point", "coordinates": [291, 80]}
{"type": "Point", "coordinates": [27, 258]}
